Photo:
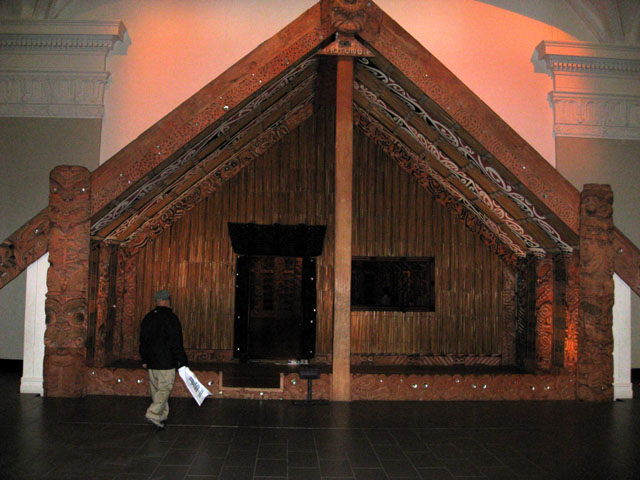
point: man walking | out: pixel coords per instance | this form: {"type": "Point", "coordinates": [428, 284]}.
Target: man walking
{"type": "Point", "coordinates": [162, 352]}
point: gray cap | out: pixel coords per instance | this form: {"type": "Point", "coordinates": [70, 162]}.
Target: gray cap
{"type": "Point", "coordinates": [162, 295]}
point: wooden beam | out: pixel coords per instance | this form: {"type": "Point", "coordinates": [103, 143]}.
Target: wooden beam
{"type": "Point", "coordinates": [627, 260]}
{"type": "Point", "coordinates": [24, 247]}
{"type": "Point", "coordinates": [341, 378]}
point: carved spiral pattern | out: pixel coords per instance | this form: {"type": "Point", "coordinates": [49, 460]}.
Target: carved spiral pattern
{"type": "Point", "coordinates": [544, 313]}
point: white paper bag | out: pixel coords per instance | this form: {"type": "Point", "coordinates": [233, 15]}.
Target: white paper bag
{"type": "Point", "coordinates": [197, 390]}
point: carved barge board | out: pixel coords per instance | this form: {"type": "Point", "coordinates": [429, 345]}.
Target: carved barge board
{"type": "Point", "coordinates": [552, 190]}
{"type": "Point", "coordinates": [24, 247]}
{"type": "Point", "coordinates": [602, 246]}
{"type": "Point", "coordinates": [183, 124]}
{"type": "Point", "coordinates": [627, 260]}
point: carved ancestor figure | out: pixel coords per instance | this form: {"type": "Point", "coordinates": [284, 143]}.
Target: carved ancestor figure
{"type": "Point", "coordinates": [595, 335]}
{"type": "Point", "coordinates": [67, 282]}
{"type": "Point", "coordinates": [349, 16]}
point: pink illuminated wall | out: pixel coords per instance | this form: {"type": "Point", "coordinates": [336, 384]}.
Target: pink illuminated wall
{"type": "Point", "coordinates": [179, 46]}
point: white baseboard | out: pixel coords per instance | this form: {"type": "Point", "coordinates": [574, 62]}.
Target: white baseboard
{"type": "Point", "coordinates": [32, 385]}
{"type": "Point", "coordinates": [622, 390]}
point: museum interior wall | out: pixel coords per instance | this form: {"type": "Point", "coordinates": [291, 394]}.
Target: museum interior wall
{"type": "Point", "coordinates": [29, 149]}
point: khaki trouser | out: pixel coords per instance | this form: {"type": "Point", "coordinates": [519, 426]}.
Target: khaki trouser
{"type": "Point", "coordinates": [161, 383]}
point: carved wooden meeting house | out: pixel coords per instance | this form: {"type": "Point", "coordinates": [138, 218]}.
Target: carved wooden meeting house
{"type": "Point", "coordinates": [337, 197]}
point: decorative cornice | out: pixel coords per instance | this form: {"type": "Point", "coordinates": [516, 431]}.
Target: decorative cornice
{"type": "Point", "coordinates": [596, 89]}
{"type": "Point", "coordinates": [52, 94]}
{"type": "Point", "coordinates": [589, 58]}
{"type": "Point", "coordinates": [60, 36]}
{"type": "Point", "coordinates": [599, 116]}
{"type": "Point", "coordinates": [54, 68]}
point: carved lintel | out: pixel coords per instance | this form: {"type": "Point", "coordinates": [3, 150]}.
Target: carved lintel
{"type": "Point", "coordinates": [347, 47]}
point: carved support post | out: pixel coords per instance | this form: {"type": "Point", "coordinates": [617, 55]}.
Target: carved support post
{"type": "Point", "coordinates": [526, 313]}
{"type": "Point", "coordinates": [544, 313]}
{"type": "Point", "coordinates": [128, 273]}
{"type": "Point", "coordinates": [105, 304]}
{"type": "Point", "coordinates": [559, 309]}
{"type": "Point", "coordinates": [573, 311]}
{"type": "Point", "coordinates": [67, 282]}
{"type": "Point", "coordinates": [595, 334]}
{"type": "Point", "coordinates": [509, 316]}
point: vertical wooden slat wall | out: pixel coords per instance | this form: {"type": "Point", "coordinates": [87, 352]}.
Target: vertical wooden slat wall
{"type": "Point", "coordinates": [290, 184]}
{"type": "Point", "coordinates": [393, 216]}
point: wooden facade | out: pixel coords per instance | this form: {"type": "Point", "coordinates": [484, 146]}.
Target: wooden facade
{"type": "Point", "coordinates": [393, 216]}
{"type": "Point", "coordinates": [435, 173]}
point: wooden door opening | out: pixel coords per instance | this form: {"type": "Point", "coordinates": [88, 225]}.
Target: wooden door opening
{"type": "Point", "coordinates": [275, 304]}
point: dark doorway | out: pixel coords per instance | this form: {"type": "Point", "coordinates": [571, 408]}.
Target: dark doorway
{"type": "Point", "coordinates": [275, 307]}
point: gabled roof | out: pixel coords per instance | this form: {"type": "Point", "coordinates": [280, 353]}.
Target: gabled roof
{"type": "Point", "coordinates": [404, 98]}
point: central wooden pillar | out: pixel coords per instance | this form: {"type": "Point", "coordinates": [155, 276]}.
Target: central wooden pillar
{"type": "Point", "coordinates": [341, 378]}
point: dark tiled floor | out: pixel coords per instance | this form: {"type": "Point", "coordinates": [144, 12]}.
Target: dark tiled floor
{"type": "Point", "coordinates": [106, 438]}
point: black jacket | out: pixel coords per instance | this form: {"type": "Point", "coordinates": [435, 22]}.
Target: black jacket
{"type": "Point", "coordinates": [161, 340]}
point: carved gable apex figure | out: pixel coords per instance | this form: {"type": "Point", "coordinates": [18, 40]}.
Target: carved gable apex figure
{"type": "Point", "coordinates": [348, 17]}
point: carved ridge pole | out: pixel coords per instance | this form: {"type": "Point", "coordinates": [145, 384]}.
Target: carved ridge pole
{"type": "Point", "coordinates": [595, 332]}
{"type": "Point", "coordinates": [66, 303]}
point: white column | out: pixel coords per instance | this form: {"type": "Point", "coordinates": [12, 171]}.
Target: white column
{"type": "Point", "coordinates": [622, 386]}
{"type": "Point", "coordinates": [34, 326]}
